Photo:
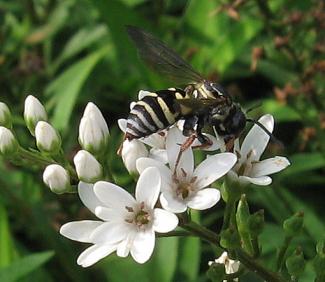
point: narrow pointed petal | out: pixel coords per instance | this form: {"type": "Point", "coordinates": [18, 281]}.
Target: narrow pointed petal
{"type": "Point", "coordinates": [80, 230]}
{"type": "Point", "coordinates": [88, 197]}
{"type": "Point", "coordinates": [110, 232]}
{"type": "Point", "coordinates": [269, 166]}
{"type": "Point", "coordinates": [165, 173]}
{"type": "Point", "coordinates": [262, 181]}
{"type": "Point", "coordinates": [164, 221]}
{"type": "Point", "coordinates": [148, 187]}
{"type": "Point", "coordinates": [204, 199]}
{"type": "Point", "coordinates": [112, 195]}
{"type": "Point", "coordinates": [170, 203]}
{"type": "Point", "coordinates": [213, 168]}
{"type": "Point", "coordinates": [174, 140]}
{"type": "Point", "coordinates": [256, 139]}
{"type": "Point", "coordinates": [143, 245]}
{"type": "Point", "coordinates": [95, 253]}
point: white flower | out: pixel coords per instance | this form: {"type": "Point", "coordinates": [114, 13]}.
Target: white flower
{"type": "Point", "coordinates": [57, 179]}
{"type": "Point", "coordinates": [127, 225]}
{"type": "Point", "coordinates": [5, 115]}
{"type": "Point", "coordinates": [47, 138]}
{"type": "Point", "coordinates": [249, 169]}
{"type": "Point", "coordinates": [131, 151]}
{"type": "Point", "coordinates": [186, 188]}
{"type": "Point", "coordinates": [88, 168]}
{"type": "Point", "coordinates": [93, 130]}
{"type": "Point", "coordinates": [8, 142]}
{"type": "Point", "coordinates": [231, 266]}
{"type": "Point", "coordinates": [33, 112]}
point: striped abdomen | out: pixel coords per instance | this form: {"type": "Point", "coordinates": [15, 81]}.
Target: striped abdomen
{"type": "Point", "coordinates": [155, 111]}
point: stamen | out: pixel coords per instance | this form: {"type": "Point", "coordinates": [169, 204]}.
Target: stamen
{"type": "Point", "coordinates": [183, 172]}
{"type": "Point", "coordinates": [193, 179]}
{"type": "Point", "coordinates": [129, 209]}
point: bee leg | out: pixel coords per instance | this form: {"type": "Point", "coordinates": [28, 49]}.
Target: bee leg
{"type": "Point", "coordinates": [229, 143]}
{"type": "Point", "coordinates": [188, 142]}
{"type": "Point", "coordinates": [205, 142]}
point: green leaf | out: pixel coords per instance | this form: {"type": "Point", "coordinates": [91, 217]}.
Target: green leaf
{"type": "Point", "coordinates": [24, 266]}
{"type": "Point", "coordinates": [81, 40]}
{"type": "Point", "coordinates": [66, 88]}
{"type": "Point", "coordinates": [6, 244]}
{"type": "Point", "coordinates": [189, 261]}
{"type": "Point", "coordinates": [280, 112]}
{"type": "Point", "coordinates": [303, 162]}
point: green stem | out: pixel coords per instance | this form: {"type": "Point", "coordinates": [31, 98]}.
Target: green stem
{"type": "Point", "coordinates": [201, 232]}
{"type": "Point", "coordinates": [34, 157]}
{"type": "Point", "coordinates": [229, 213]}
{"type": "Point", "coordinates": [256, 248]}
{"type": "Point", "coordinates": [282, 252]}
{"type": "Point", "coordinates": [177, 233]}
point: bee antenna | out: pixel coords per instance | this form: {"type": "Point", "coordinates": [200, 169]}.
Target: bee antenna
{"type": "Point", "coordinates": [272, 137]}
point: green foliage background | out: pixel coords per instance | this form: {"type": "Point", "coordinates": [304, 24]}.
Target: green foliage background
{"type": "Point", "coordinates": [69, 52]}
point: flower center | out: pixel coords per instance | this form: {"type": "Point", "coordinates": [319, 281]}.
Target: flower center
{"type": "Point", "coordinates": [140, 217]}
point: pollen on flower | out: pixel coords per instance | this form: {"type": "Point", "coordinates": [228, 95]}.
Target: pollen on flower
{"type": "Point", "coordinates": [138, 216]}
{"type": "Point", "coordinates": [184, 189]}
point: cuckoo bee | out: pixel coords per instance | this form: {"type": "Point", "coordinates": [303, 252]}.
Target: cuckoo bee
{"type": "Point", "coordinates": [201, 102]}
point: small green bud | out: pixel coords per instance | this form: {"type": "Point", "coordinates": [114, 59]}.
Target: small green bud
{"type": "Point", "coordinates": [5, 116]}
{"type": "Point", "coordinates": [229, 239]}
{"type": "Point", "coordinates": [296, 263]}
{"type": "Point", "coordinates": [294, 224]}
{"type": "Point", "coordinates": [242, 214]}
{"type": "Point", "coordinates": [8, 143]}
{"type": "Point", "coordinates": [319, 267]}
{"type": "Point", "coordinates": [216, 272]}
{"type": "Point", "coordinates": [256, 223]}
{"type": "Point", "coordinates": [320, 248]}
{"type": "Point", "coordinates": [231, 190]}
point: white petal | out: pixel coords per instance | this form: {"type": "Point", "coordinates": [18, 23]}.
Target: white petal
{"type": "Point", "coordinates": [159, 155]}
{"type": "Point", "coordinates": [95, 253]}
{"type": "Point", "coordinates": [88, 197]}
{"type": "Point", "coordinates": [213, 168]}
{"type": "Point", "coordinates": [216, 144]}
{"type": "Point", "coordinates": [113, 196]}
{"type": "Point", "coordinates": [170, 203]}
{"type": "Point", "coordinates": [204, 199]}
{"type": "Point", "coordinates": [256, 139]}
{"type": "Point", "coordinates": [123, 248]}
{"type": "Point", "coordinates": [174, 140]}
{"type": "Point", "coordinates": [156, 140]}
{"type": "Point", "coordinates": [165, 173]}
{"type": "Point", "coordinates": [122, 124]}
{"type": "Point", "coordinates": [269, 166]}
{"type": "Point", "coordinates": [148, 187]}
{"type": "Point", "coordinates": [110, 232]}
{"type": "Point", "coordinates": [262, 181]}
{"type": "Point", "coordinates": [80, 230]}
{"type": "Point", "coordinates": [164, 221]}
{"type": "Point", "coordinates": [143, 246]}
{"type": "Point", "coordinates": [109, 214]}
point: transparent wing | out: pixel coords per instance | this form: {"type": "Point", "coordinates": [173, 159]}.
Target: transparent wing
{"type": "Point", "coordinates": [161, 58]}
{"type": "Point", "coordinates": [199, 104]}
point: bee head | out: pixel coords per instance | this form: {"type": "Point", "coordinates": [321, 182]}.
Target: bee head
{"type": "Point", "coordinates": [229, 123]}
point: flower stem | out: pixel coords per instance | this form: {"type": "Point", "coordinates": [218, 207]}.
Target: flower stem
{"type": "Point", "coordinates": [35, 157]}
{"type": "Point", "coordinates": [282, 252]}
{"type": "Point", "coordinates": [229, 213]}
{"type": "Point", "coordinates": [249, 262]}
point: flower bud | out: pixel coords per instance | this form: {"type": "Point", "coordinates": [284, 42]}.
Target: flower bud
{"type": "Point", "coordinates": [93, 130]}
{"type": "Point", "coordinates": [319, 262]}
{"type": "Point", "coordinates": [33, 113]}
{"type": "Point", "coordinates": [296, 263]}
{"type": "Point", "coordinates": [5, 116]}
{"type": "Point", "coordinates": [8, 142]}
{"type": "Point", "coordinates": [88, 168]}
{"type": "Point", "coordinates": [57, 179]}
{"type": "Point", "coordinates": [47, 138]}
{"type": "Point", "coordinates": [229, 239]}
{"type": "Point", "coordinates": [294, 224]}
{"type": "Point", "coordinates": [256, 223]}
{"type": "Point", "coordinates": [320, 248]}
{"type": "Point", "coordinates": [131, 151]}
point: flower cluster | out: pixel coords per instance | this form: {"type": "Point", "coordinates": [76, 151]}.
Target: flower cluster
{"type": "Point", "coordinates": [168, 185]}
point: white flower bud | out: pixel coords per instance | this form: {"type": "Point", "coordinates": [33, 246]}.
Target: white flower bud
{"type": "Point", "coordinates": [88, 168]}
{"type": "Point", "coordinates": [5, 115]}
{"type": "Point", "coordinates": [33, 112]}
{"type": "Point", "coordinates": [93, 130]}
{"type": "Point", "coordinates": [131, 151]}
{"type": "Point", "coordinates": [8, 142]}
{"type": "Point", "coordinates": [57, 179]}
{"type": "Point", "coordinates": [47, 138]}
